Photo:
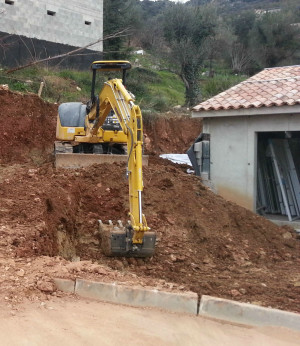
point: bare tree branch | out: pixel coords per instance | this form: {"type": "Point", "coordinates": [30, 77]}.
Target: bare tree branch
{"type": "Point", "coordinates": [120, 33]}
{"type": "Point", "coordinates": [240, 58]}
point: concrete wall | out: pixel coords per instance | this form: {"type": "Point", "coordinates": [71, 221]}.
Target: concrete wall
{"type": "Point", "coordinates": [30, 19]}
{"type": "Point", "coordinates": [233, 152]}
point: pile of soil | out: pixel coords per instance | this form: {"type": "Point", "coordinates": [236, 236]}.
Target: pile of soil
{"type": "Point", "coordinates": [49, 218]}
{"type": "Point", "coordinates": [27, 128]}
{"type": "Point", "coordinates": [169, 134]}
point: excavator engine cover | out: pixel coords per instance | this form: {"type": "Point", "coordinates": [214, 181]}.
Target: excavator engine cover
{"type": "Point", "coordinates": [117, 241]}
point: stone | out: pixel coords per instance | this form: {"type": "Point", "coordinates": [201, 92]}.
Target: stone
{"type": "Point", "coordinates": [287, 235]}
{"type": "Point", "coordinates": [46, 286]}
{"type": "Point", "coordinates": [74, 267]}
{"type": "Point", "coordinates": [102, 271]}
{"type": "Point", "coordinates": [173, 258]}
{"type": "Point", "coordinates": [118, 265]}
{"type": "Point", "coordinates": [206, 260]}
{"type": "Point", "coordinates": [235, 293]}
{"type": "Point", "coordinates": [132, 261]}
{"type": "Point", "coordinates": [21, 272]}
{"type": "Point", "coordinates": [140, 262]}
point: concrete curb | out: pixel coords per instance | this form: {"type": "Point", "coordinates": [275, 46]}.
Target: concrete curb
{"type": "Point", "coordinates": [178, 302]}
{"type": "Point", "coordinates": [247, 313]}
{"type": "Point", "coordinates": [65, 285]}
{"type": "Point", "coordinates": [223, 309]}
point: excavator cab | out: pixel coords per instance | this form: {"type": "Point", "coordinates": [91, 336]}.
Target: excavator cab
{"type": "Point", "coordinates": [107, 66]}
{"type": "Point", "coordinates": [111, 123]}
{"type": "Point", "coordinates": [111, 119]}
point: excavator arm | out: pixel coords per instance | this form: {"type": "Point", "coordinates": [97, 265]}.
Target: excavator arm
{"type": "Point", "coordinates": [114, 96]}
{"type": "Point", "coordinates": [135, 239]}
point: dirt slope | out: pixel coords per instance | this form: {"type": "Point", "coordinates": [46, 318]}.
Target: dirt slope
{"type": "Point", "coordinates": [205, 243]}
{"type": "Point", "coordinates": [27, 130]}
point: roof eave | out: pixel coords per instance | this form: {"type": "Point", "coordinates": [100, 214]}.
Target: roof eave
{"type": "Point", "coordinates": [247, 111]}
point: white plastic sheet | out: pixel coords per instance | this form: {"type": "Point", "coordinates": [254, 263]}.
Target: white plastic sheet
{"type": "Point", "coordinates": [177, 158]}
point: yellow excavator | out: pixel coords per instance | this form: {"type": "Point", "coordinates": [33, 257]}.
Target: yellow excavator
{"type": "Point", "coordinates": [104, 125]}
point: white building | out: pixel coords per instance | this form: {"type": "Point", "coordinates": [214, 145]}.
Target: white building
{"type": "Point", "coordinates": [250, 147]}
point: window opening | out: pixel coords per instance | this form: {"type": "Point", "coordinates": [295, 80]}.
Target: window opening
{"type": "Point", "coordinates": [51, 13]}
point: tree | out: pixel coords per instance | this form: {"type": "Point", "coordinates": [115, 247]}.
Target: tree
{"type": "Point", "coordinates": [240, 58]}
{"type": "Point", "coordinates": [242, 25]}
{"type": "Point", "coordinates": [185, 30]}
{"type": "Point", "coordinates": [274, 38]}
{"type": "Point", "coordinates": [118, 15]}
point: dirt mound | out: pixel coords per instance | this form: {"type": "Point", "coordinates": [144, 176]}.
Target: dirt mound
{"type": "Point", "coordinates": [205, 243]}
{"type": "Point", "coordinates": [27, 128]}
{"type": "Point", "coordinates": [171, 134]}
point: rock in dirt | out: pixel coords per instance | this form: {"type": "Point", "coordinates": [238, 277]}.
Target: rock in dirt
{"type": "Point", "coordinates": [118, 265]}
{"type": "Point", "coordinates": [46, 286]}
{"type": "Point", "coordinates": [235, 293]}
{"type": "Point", "coordinates": [21, 272]}
{"type": "Point", "coordinates": [287, 235]}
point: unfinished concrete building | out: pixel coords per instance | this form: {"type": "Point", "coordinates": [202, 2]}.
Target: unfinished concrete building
{"type": "Point", "coordinates": [35, 29]}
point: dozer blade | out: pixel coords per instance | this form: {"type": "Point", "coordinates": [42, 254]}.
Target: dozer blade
{"type": "Point", "coordinates": [117, 241]}
{"type": "Point", "coordinates": [74, 161]}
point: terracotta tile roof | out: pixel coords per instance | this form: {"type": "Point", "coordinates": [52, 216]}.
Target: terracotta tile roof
{"type": "Point", "coordinates": [278, 86]}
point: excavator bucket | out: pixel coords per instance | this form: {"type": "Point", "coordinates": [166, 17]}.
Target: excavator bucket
{"type": "Point", "coordinates": [116, 240]}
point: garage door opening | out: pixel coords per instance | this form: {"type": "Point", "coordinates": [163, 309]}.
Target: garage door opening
{"type": "Point", "coordinates": [278, 174]}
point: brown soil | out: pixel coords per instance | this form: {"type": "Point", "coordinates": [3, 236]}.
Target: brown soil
{"type": "Point", "coordinates": [171, 135]}
{"type": "Point", "coordinates": [27, 129]}
{"type": "Point", "coordinates": [49, 217]}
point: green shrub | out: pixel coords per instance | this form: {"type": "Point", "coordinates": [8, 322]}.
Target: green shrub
{"type": "Point", "coordinates": [19, 86]}
{"type": "Point", "coordinates": [219, 83]}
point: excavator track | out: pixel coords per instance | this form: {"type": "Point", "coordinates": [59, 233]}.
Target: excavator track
{"type": "Point", "coordinates": [62, 148]}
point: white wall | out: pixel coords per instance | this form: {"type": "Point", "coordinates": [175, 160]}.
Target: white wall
{"type": "Point", "coordinates": [29, 18]}
{"type": "Point", "coordinates": [233, 152]}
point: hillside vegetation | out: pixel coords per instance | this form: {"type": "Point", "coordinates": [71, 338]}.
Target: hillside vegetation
{"type": "Point", "coordinates": [156, 88]}
{"type": "Point", "coordinates": [192, 50]}
{"type": "Point", "coordinates": [221, 37]}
